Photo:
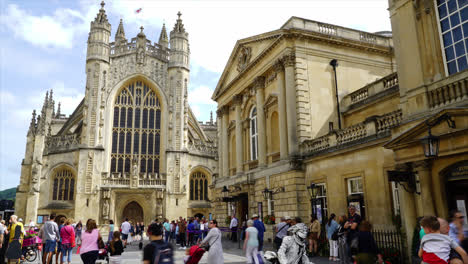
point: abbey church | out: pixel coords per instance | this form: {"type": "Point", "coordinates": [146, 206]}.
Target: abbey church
{"type": "Point", "coordinates": [133, 147]}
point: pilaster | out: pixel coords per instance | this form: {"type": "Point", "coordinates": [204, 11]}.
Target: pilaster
{"type": "Point", "coordinates": [225, 141]}
{"type": "Point", "coordinates": [239, 157]}
{"type": "Point", "coordinates": [425, 200]}
{"type": "Point", "coordinates": [283, 133]}
{"type": "Point", "coordinates": [289, 62]}
{"type": "Point", "coordinates": [259, 86]}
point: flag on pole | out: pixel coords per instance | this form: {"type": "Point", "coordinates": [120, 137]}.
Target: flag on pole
{"type": "Point", "coordinates": [138, 10]}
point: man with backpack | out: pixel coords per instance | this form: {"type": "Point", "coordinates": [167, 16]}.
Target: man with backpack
{"type": "Point", "coordinates": [158, 251]}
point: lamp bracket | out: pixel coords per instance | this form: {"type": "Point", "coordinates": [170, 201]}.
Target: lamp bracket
{"type": "Point", "coordinates": [399, 177]}
{"type": "Point", "coordinates": [440, 119]}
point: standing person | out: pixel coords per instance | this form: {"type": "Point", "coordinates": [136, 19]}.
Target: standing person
{"type": "Point", "coordinates": [111, 230]}
{"type": "Point", "coordinates": [167, 230]}
{"type": "Point", "coordinates": [58, 253]}
{"type": "Point", "coordinates": [173, 231]}
{"type": "Point", "coordinates": [78, 229]}
{"type": "Point", "coordinates": [157, 251]}
{"type": "Point", "coordinates": [2, 238]}
{"type": "Point", "coordinates": [202, 229]}
{"type": "Point", "coordinates": [182, 234]}
{"type": "Point", "coordinates": [142, 229]}
{"type": "Point", "coordinates": [190, 230]}
{"type": "Point", "coordinates": [368, 252]}
{"type": "Point", "coordinates": [435, 247]}
{"type": "Point", "coordinates": [342, 240]}
{"type": "Point", "coordinates": [125, 231]}
{"type": "Point", "coordinates": [352, 225]}
{"type": "Point", "coordinates": [456, 227]}
{"type": "Point", "coordinates": [261, 230]}
{"type": "Point", "coordinates": [67, 233]}
{"type": "Point", "coordinates": [15, 243]}
{"type": "Point", "coordinates": [233, 227]}
{"type": "Point", "coordinates": [89, 243]}
{"type": "Point", "coordinates": [293, 249]}
{"type": "Point", "coordinates": [332, 227]}
{"type": "Point", "coordinates": [314, 235]}
{"type": "Point", "coordinates": [251, 243]}
{"type": "Point", "coordinates": [281, 231]}
{"type": "Point", "coordinates": [51, 235]}
{"type": "Point", "coordinates": [115, 248]}
{"type": "Point", "coordinates": [213, 239]}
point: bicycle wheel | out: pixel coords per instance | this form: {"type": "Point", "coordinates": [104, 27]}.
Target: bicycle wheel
{"type": "Point", "coordinates": [30, 255]}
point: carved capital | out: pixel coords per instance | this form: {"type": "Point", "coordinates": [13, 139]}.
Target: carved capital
{"type": "Point", "coordinates": [259, 83]}
{"type": "Point", "coordinates": [278, 66]}
{"type": "Point", "coordinates": [289, 59]}
{"type": "Point", "coordinates": [237, 99]}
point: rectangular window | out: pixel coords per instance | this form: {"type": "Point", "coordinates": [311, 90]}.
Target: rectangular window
{"type": "Point", "coordinates": [322, 201]}
{"type": "Point", "coordinates": [453, 18]}
{"type": "Point", "coordinates": [355, 186]}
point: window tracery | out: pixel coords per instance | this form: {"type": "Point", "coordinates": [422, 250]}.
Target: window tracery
{"type": "Point", "coordinates": [63, 185]}
{"type": "Point", "coordinates": [136, 129]}
{"type": "Point", "coordinates": [198, 186]}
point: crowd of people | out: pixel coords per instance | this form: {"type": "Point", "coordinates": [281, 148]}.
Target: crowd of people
{"type": "Point", "coordinates": [350, 239]}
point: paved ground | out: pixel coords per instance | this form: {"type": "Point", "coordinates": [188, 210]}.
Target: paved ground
{"type": "Point", "coordinates": [232, 255]}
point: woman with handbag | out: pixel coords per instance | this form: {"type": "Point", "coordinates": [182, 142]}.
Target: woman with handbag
{"type": "Point", "coordinates": [67, 233]}
{"type": "Point", "coordinates": [212, 244]}
{"type": "Point", "coordinates": [89, 251]}
{"type": "Point", "coordinates": [332, 236]}
{"type": "Point", "coordinates": [314, 234]}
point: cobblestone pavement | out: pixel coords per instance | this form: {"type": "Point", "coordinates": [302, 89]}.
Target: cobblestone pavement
{"type": "Point", "coordinates": [232, 255]}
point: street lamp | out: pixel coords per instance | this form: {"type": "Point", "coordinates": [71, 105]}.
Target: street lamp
{"type": "Point", "coordinates": [431, 143]}
{"type": "Point", "coordinates": [225, 192]}
{"type": "Point", "coordinates": [267, 194]}
{"type": "Point", "coordinates": [313, 192]}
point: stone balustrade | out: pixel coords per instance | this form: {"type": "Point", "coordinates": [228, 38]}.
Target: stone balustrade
{"type": "Point", "coordinates": [125, 180]}
{"type": "Point", "coordinates": [154, 50]}
{"type": "Point", "coordinates": [447, 91]}
{"type": "Point", "coordinates": [369, 91]}
{"type": "Point", "coordinates": [61, 143]}
{"type": "Point", "coordinates": [339, 32]}
{"type": "Point", "coordinates": [372, 128]}
{"type": "Point", "coordinates": [387, 121]}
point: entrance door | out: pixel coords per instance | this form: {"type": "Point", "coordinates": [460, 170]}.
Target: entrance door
{"type": "Point", "coordinates": [457, 184]}
{"type": "Point", "coordinates": [133, 212]}
{"type": "Point", "coordinates": [243, 207]}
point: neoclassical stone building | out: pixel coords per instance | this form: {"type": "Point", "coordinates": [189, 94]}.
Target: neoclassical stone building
{"type": "Point", "coordinates": [277, 92]}
{"type": "Point", "coordinates": [133, 147]}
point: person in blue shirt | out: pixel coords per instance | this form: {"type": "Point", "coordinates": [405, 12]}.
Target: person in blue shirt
{"type": "Point", "coordinates": [332, 227]}
{"type": "Point", "coordinates": [191, 230]}
{"type": "Point", "coordinates": [261, 230]}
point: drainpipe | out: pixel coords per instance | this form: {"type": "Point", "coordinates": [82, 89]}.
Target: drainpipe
{"type": "Point", "coordinates": [334, 64]}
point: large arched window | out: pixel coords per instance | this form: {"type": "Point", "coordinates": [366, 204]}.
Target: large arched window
{"type": "Point", "coordinates": [253, 134]}
{"type": "Point", "coordinates": [136, 131]}
{"type": "Point", "coordinates": [198, 186]}
{"type": "Point", "coordinates": [64, 185]}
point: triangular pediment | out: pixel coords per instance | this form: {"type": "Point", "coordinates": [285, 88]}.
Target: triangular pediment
{"type": "Point", "coordinates": [414, 134]}
{"type": "Point", "coordinates": [245, 52]}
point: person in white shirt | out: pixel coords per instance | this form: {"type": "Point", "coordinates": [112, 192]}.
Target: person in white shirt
{"type": "Point", "coordinates": [233, 227]}
{"type": "Point", "coordinates": [125, 231]}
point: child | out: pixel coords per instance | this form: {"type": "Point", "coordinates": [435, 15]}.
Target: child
{"type": "Point", "coordinates": [116, 249]}
{"type": "Point", "coordinates": [435, 247]}
{"type": "Point", "coordinates": [187, 255]}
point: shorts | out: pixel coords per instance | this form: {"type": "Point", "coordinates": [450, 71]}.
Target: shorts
{"type": "Point", "coordinates": [50, 246]}
{"type": "Point", "coordinates": [454, 255]}
{"type": "Point", "coordinates": [313, 235]}
{"type": "Point", "coordinates": [124, 236]}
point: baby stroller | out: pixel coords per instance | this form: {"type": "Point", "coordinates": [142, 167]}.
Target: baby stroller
{"type": "Point", "coordinates": [196, 254]}
{"type": "Point", "coordinates": [103, 256]}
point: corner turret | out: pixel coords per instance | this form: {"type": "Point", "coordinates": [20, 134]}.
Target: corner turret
{"type": "Point", "coordinates": [98, 39]}
{"type": "Point", "coordinates": [180, 50]}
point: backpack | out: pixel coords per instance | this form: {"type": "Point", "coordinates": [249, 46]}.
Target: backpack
{"type": "Point", "coordinates": [162, 254]}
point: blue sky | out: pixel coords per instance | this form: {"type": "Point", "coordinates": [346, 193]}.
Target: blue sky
{"type": "Point", "coordinates": [43, 47]}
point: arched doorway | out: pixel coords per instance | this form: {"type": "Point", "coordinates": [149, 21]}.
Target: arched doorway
{"type": "Point", "coordinates": [456, 177]}
{"type": "Point", "coordinates": [133, 212]}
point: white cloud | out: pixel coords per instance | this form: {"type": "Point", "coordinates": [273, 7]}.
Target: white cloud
{"type": "Point", "coordinates": [201, 95]}
{"type": "Point", "coordinates": [55, 31]}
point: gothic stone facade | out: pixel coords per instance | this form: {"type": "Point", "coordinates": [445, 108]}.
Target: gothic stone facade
{"type": "Point", "coordinates": [132, 148]}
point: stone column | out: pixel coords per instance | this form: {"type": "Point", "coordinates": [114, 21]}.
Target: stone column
{"type": "Point", "coordinates": [279, 68]}
{"type": "Point", "coordinates": [225, 141]}
{"type": "Point", "coordinates": [426, 203]}
{"type": "Point", "coordinates": [259, 86]}
{"type": "Point", "coordinates": [290, 83]}
{"type": "Point", "coordinates": [219, 116]}
{"type": "Point", "coordinates": [239, 151]}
